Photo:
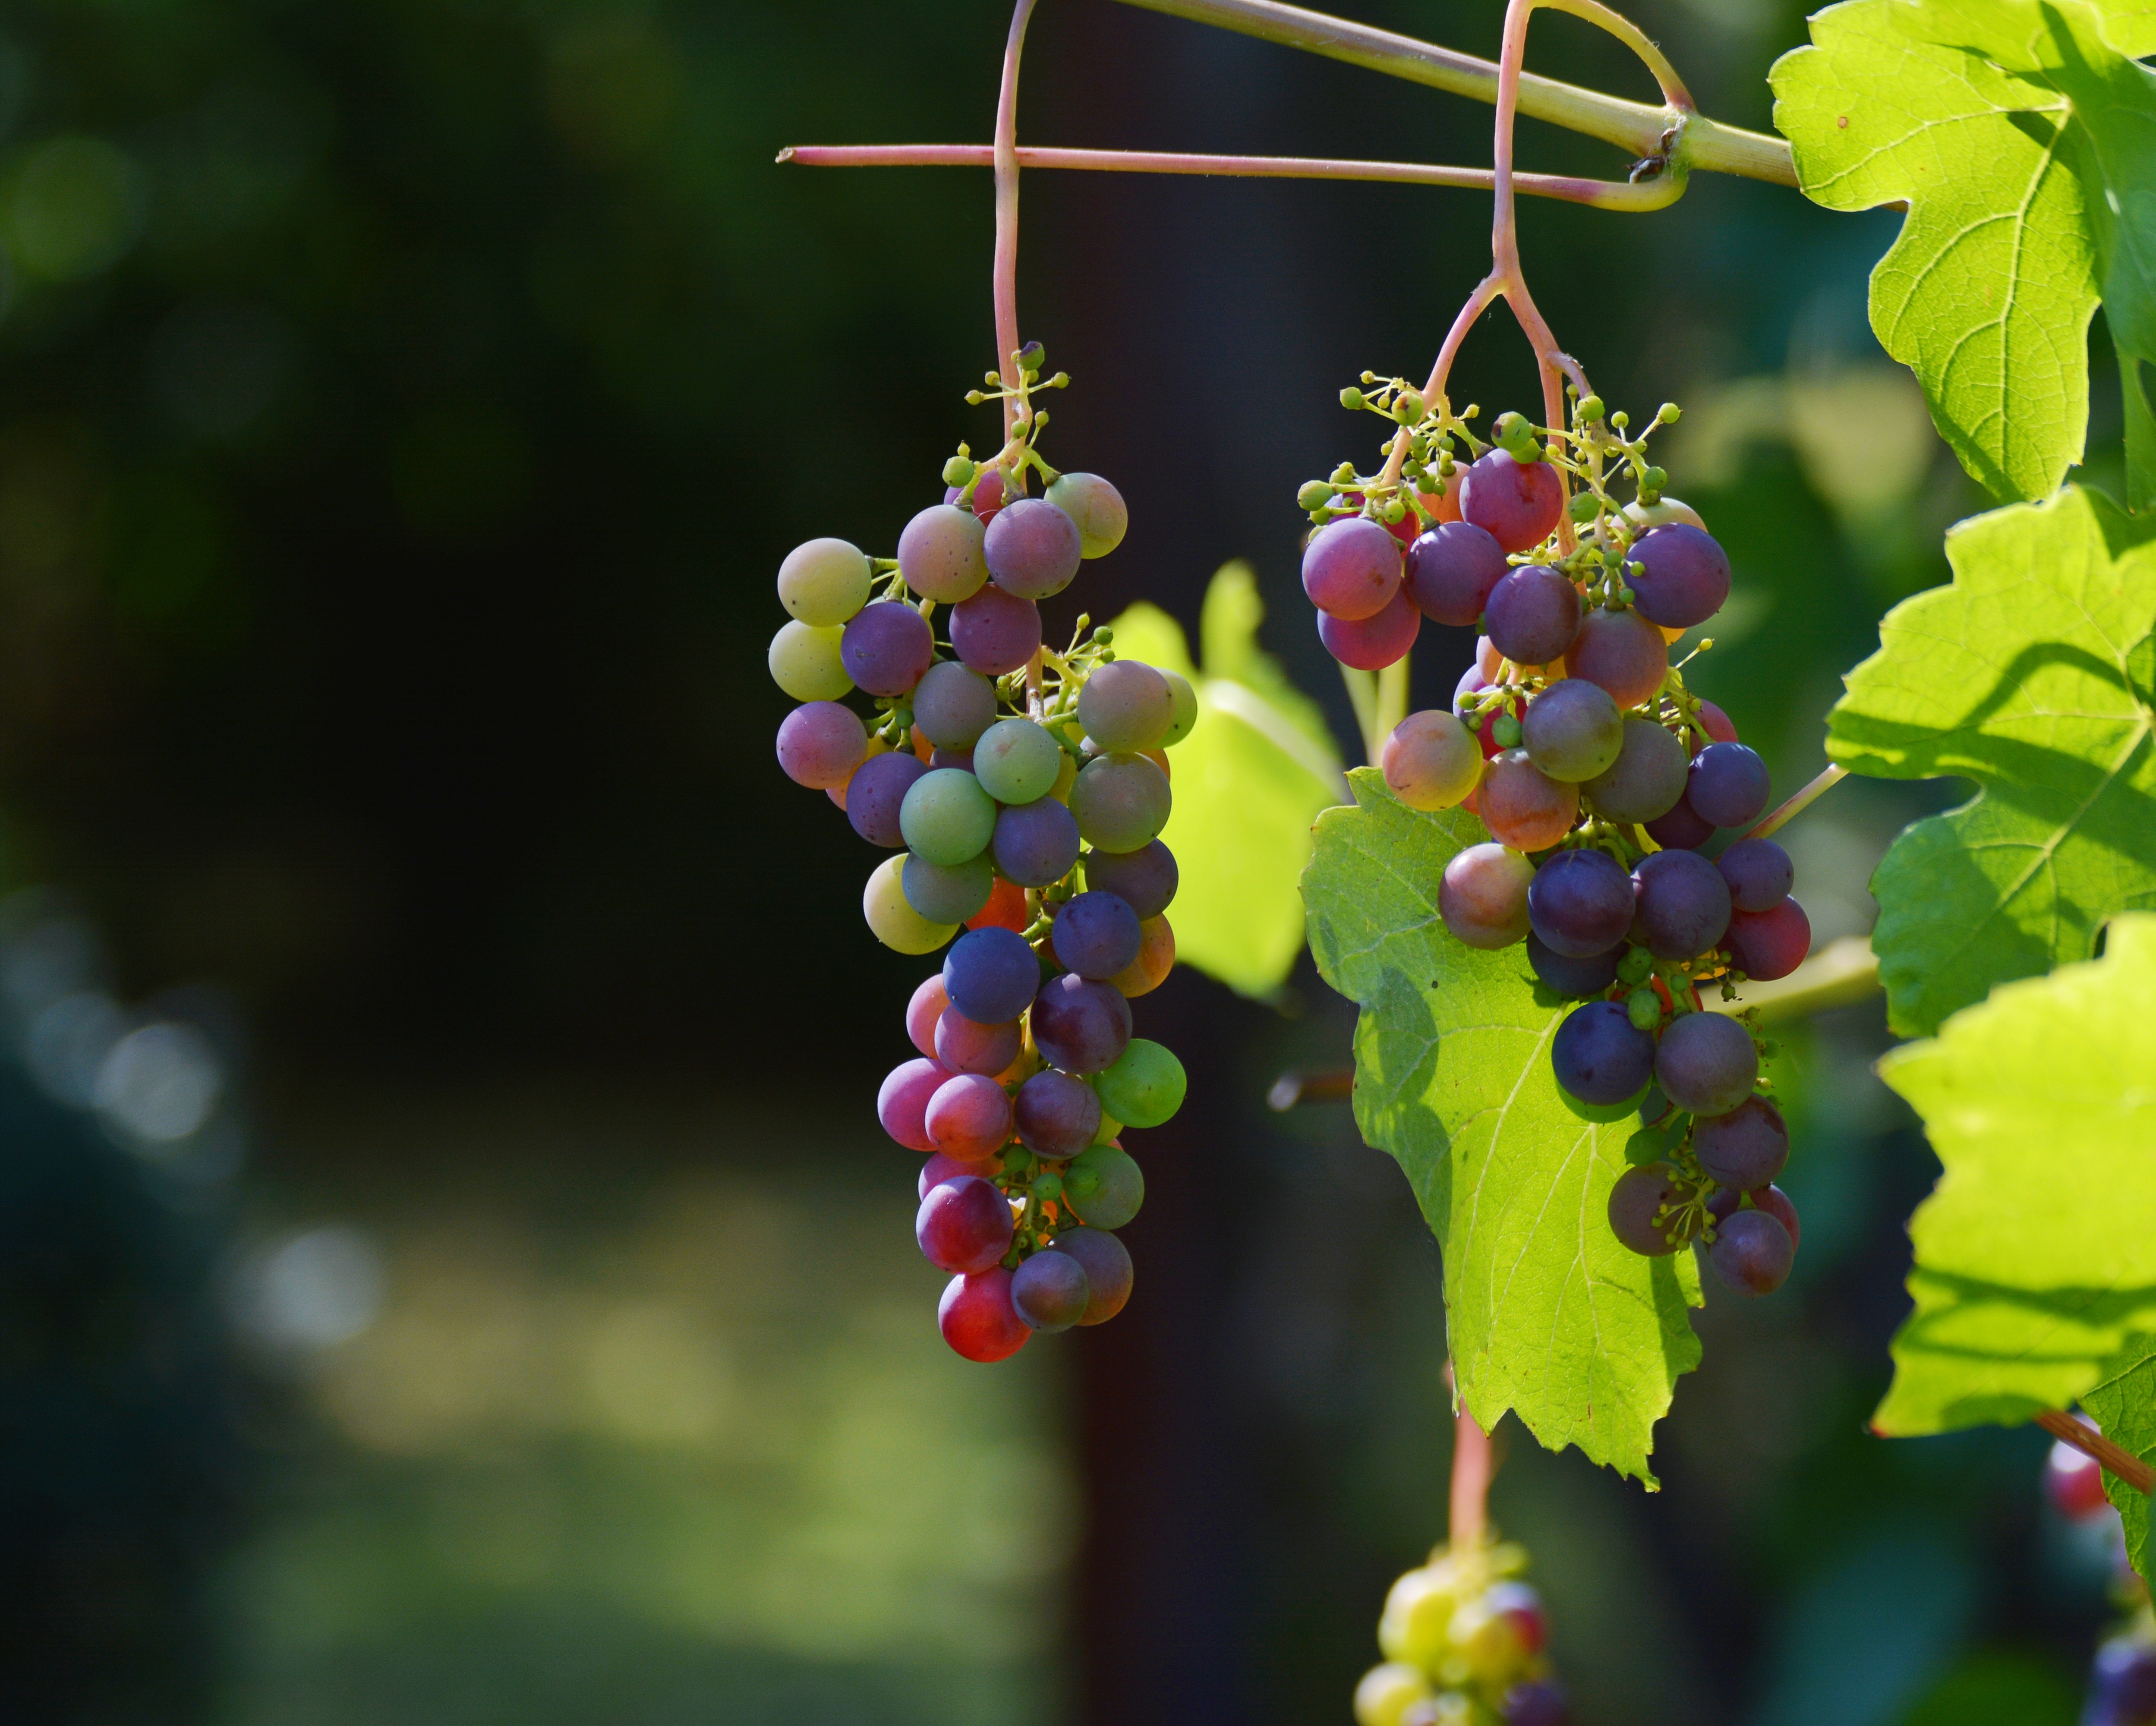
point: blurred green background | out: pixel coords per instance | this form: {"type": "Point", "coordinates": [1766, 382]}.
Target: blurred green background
{"type": "Point", "coordinates": [451, 1273]}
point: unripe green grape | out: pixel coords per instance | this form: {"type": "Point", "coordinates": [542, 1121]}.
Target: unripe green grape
{"type": "Point", "coordinates": [1635, 964]}
{"type": "Point", "coordinates": [1386, 1692]}
{"type": "Point", "coordinates": [1098, 509]}
{"type": "Point", "coordinates": [947, 894]}
{"type": "Point", "coordinates": [1663, 511]}
{"type": "Point", "coordinates": [823, 582]}
{"type": "Point", "coordinates": [1351, 398]}
{"type": "Point", "coordinates": [1415, 1627]}
{"type": "Point", "coordinates": [940, 554]}
{"type": "Point", "coordinates": [894, 921]}
{"type": "Point", "coordinates": [1643, 1007]}
{"type": "Point", "coordinates": [1016, 761]}
{"type": "Point", "coordinates": [946, 817]}
{"type": "Point", "coordinates": [1408, 408]}
{"type": "Point", "coordinates": [1583, 505]}
{"type": "Point", "coordinates": [1505, 732]}
{"type": "Point", "coordinates": [1589, 410]}
{"type": "Point", "coordinates": [1144, 1086]}
{"type": "Point", "coordinates": [1104, 1187]}
{"type": "Point", "coordinates": [1186, 709]}
{"type": "Point", "coordinates": [1109, 1130]}
{"type": "Point", "coordinates": [1573, 730]}
{"type": "Point", "coordinates": [1314, 495]}
{"type": "Point", "coordinates": [804, 662]}
{"type": "Point", "coordinates": [958, 470]}
{"type": "Point", "coordinates": [1489, 1644]}
{"type": "Point", "coordinates": [1121, 802]}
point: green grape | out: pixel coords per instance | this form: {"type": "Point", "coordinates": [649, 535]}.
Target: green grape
{"type": "Point", "coordinates": [894, 922]}
{"type": "Point", "coordinates": [1386, 1693]}
{"type": "Point", "coordinates": [1418, 1617]}
{"type": "Point", "coordinates": [823, 582]}
{"type": "Point", "coordinates": [947, 894]}
{"type": "Point", "coordinates": [804, 662]}
{"type": "Point", "coordinates": [1098, 509]}
{"type": "Point", "coordinates": [1186, 709]}
{"type": "Point", "coordinates": [1017, 761]}
{"type": "Point", "coordinates": [1144, 1086]}
{"type": "Point", "coordinates": [1104, 1187]}
{"type": "Point", "coordinates": [1121, 802]}
{"type": "Point", "coordinates": [946, 818]}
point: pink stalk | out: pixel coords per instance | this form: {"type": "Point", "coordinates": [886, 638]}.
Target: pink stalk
{"type": "Point", "coordinates": [1006, 162]}
{"type": "Point", "coordinates": [1472, 1468]}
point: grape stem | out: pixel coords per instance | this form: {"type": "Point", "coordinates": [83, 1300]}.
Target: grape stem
{"type": "Point", "coordinates": [1474, 1462]}
{"type": "Point", "coordinates": [2116, 1459]}
{"type": "Point", "coordinates": [1804, 800]}
{"type": "Point", "coordinates": [1006, 256]}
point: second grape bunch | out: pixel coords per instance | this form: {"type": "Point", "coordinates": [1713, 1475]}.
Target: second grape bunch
{"type": "Point", "coordinates": [1602, 781]}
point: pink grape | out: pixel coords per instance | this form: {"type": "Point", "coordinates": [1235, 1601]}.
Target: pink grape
{"type": "Point", "coordinates": [1431, 760]}
{"type": "Point", "coordinates": [1776, 1204]}
{"type": "Point", "coordinates": [940, 1169]}
{"type": "Point", "coordinates": [1646, 779]}
{"type": "Point", "coordinates": [939, 554]}
{"type": "Point", "coordinates": [1768, 944]}
{"type": "Point", "coordinates": [966, 1046]}
{"type": "Point", "coordinates": [1634, 1202]}
{"type": "Point", "coordinates": [987, 494]}
{"type": "Point", "coordinates": [976, 1318]}
{"type": "Point", "coordinates": [1372, 643]}
{"type": "Point", "coordinates": [1057, 1114]}
{"type": "Point", "coordinates": [1517, 505]}
{"type": "Point", "coordinates": [1718, 723]}
{"type": "Point", "coordinates": [1521, 805]}
{"type": "Point", "coordinates": [1482, 896]}
{"type": "Point", "coordinates": [902, 1103]}
{"type": "Point", "coordinates": [820, 743]}
{"type": "Point", "coordinates": [876, 793]}
{"type": "Point", "coordinates": [1751, 1252]}
{"type": "Point", "coordinates": [1351, 568]}
{"type": "Point", "coordinates": [1622, 653]}
{"type": "Point", "coordinates": [1744, 1148]}
{"type": "Point", "coordinates": [924, 1009]}
{"type": "Point", "coordinates": [968, 1118]}
{"type": "Point", "coordinates": [963, 1225]}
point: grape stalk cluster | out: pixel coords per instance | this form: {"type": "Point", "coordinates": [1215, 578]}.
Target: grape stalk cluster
{"type": "Point", "coordinates": [1603, 780]}
{"type": "Point", "coordinates": [1463, 1639]}
{"type": "Point", "coordinates": [998, 773]}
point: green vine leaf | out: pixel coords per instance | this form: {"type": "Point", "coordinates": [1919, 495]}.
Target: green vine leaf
{"type": "Point", "coordinates": [2034, 1266]}
{"type": "Point", "coordinates": [2031, 675]}
{"type": "Point", "coordinates": [2017, 131]}
{"type": "Point", "coordinates": [1249, 781]}
{"type": "Point", "coordinates": [2124, 1405]}
{"type": "Point", "coordinates": [1549, 1316]}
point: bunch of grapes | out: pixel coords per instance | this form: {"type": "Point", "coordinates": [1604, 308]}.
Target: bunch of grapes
{"type": "Point", "coordinates": [1463, 1639]}
{"type": "Point", "coordinates": [1603, 780]}
{"type": "Point", "coordinates": [2122, 1688]}
{"type": "Point", "coordinates": [998, 773]}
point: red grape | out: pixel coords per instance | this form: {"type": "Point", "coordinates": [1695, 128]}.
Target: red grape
{"type": "Point", "coordinates": [1768, 944]}
{"type": "Point", "coordinates": [902, 1103]}
{"type": "Point", "coordinates": [1516, 504]}
{"type": "Point", "coordinates": [963, 1225]}
{"type": "Point", "coordinates": [976, 1318]}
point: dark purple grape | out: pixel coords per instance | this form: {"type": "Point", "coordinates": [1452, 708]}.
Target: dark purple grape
{"type": "Point", "coordinates": [1578, 978]}
{"type": "Point", "coordinates": [1097, 935]}
{"type": "Point", "coordinates": [1728, 784]}
{"type": "Point", "coordinates": [1580, 903]}
{"type": "Point", "coordinates": [1706, 1065]}
{"type": "Point", "coordinates": [1371, 644]}
{"type": "Point", "coordinates": [1745, 1148]}
{"type": "Point", "coordinates": [991, 974]}
{"type": "Point", "coordinates": [1451, 569]}
{"type": "Point", "coordinates": [1033, 548]}
{"type": "Point", "coordinates": [963, 1225]}
{"type": "Point", "coordinates": [887, 648]}
{"type": "Point", "coordinates": [1037, 842]}
{"type": "Point", "coordinates": [1683, 905]}
{"type": "Point", "coordinates": [1768, 944]}
{"type": "Point", "coordinates": [1573, 731]}
{"type": "Point", "coordinates": [1540, 1704]}
{"type": "Point", "coordinates": [1108, 1270]}
{"type": "Point", "coordinates": [1050, 1290]}
{"type": "Point", "coordinates": [1758, 872]}
{"type": "Point", "coordinates": [1351, 568]}
{"type": "Point", "coordinates": [877, 791]}
{"type": "Point", "coordinates": [1681, 829]}
{"type": "Point", "coordinates": [995, 633]}
{"type": "Point", "coordinates": [1683, 575]}
{"type": "Point", "coordinates": [1532, 614]}
{"type": "Point", "coordinates": [1078, 1025]}
{"type": "Point", "coordinates": [1144, 878]}
{"type": "Point", "coordinates": [1634, 1202]}
{"type": "Point", "coordinates": [1517, 503]}
{"type": "Point", "coordinates": [953, 705]}
{"type": "Point", "coordinates": [1057, 1114]}
{"type": "Point", "coordinates": [1621, 652]}
{"type": "Point", "coordinates": [1751, 1252]}
{"type": "Point", "coordinates": [1646, 779]}
{"type": "Point", "coordinates": [1600, 1055]}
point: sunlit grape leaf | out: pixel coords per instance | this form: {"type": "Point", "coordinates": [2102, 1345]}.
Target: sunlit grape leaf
{"type": "Point", "coordinates": [2029, 673]}
{"type": "Point", "coordinates": [1248, 782]}
{"type": "Point", "coordinates": [1549, 1316]}
{"type": "Point", "coordinates": [2124, 1405]}
{"type": "Point", "coordinates": [2034, 1261]}
{"type": "Point", "coordinates": [2020, 134]}
{"type": "Point", "coordinates": [2130, 25]}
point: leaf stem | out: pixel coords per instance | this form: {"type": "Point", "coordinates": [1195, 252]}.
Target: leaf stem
{"type": "Point", "coordinates": [1804, 800]}
{"type": "Point", "coordinates": [2115, 1458]}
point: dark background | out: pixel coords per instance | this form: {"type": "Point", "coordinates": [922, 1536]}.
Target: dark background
{"type": "Point", "coordinates": [403, 409]}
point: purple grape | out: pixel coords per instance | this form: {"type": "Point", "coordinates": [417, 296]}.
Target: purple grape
{"type": "Point", "coordinates": [2123, 1682]}
{"type": "Point", "coordinates": [1351, 568]}
{"type": "Point", "coordinates": [1706, 1065]}
{"type": "Point", "coordinates": [1037, 842]}
{"type": "Point", "coordinates": [1097, 935]}
{"type": "Point", "coordinates": [1681, 829]}
{"type": "Point", "coordinates": [995, 633]}
{"type": "Point", "coordinates": [960, 758]}
{"type": "Point", "coordinates": [1745, 1148]}
{"type": "Point", "coordinates": [1371, 644]}
{"type": "Point", "coordinates": [1050, 1290]}
{"type": "Point", "coordinates": [876, 793]}
{"type": "Point", "coordinates": [1683, 905]}
{"type": "Point", "coordinates": [1057, 1114]}
{"type": "Point", "coordinates": [967, 1047]}
{"type": "Point", "coordinates": [1600, 1055]}
{"type": "Point", "coordinates": [1033, 548]}
{"type": "Point", "coordinates": [1517, 503]}
{"type": "Point", "coordinates": [887, 648]}
{"type": "Point", "coordinates": [1532, 614]}
{"type": "Point", "coordinates": [1634, 1202]}
{"type": "Point", "coordinates": [1573, 730]}
{"type": "Point", "coordinates": [1775, 1203]}
{"type": "Point", "coordinates": [1578, 978]}
{"type": "Point", "coordinates": [1758, 872]}
{"type": "Point", "coordinates": [953, 705]}
{"type": "Point", "coordinates": [820, 743]}
{"type": "Point", "coordinates": [1646, 779]}
{"type": "Point", "coordinates": [1078, 1025]}
{"type": "Point", "coordinates": [1144, 878]}
{"type": "Point", "coordinates": [1621, 652]}
{"type": "Point", "coordinates": [1451, 569]}
{"type": "Point", "coordinates": [1751, 1251]}
{"type": "Point", "coordinates": [1580, 903]}
{"type": "Point", "coordinates": [1540, 1704]}
{"type": "Point", "coordinates": [1768, 944]}
{"type": "Point", "coordinates": [991, 975]}
{"type": "Point", "coordinates": [1683, 575]}
{"type": "Point", "coordinates": [963, 1225]}
{"type": "Point", "coordinates": [1108, 1270]}
{"type": "Point", "coordinates": [1728, 784]}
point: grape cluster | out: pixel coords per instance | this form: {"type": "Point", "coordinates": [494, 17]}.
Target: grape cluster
{"type": "Point", "coordinates": [1601, 778]}
{"type": "Point", "coordinates": [998, 773]}
{"type": "Point", "coordinates": [1463, 1640]}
